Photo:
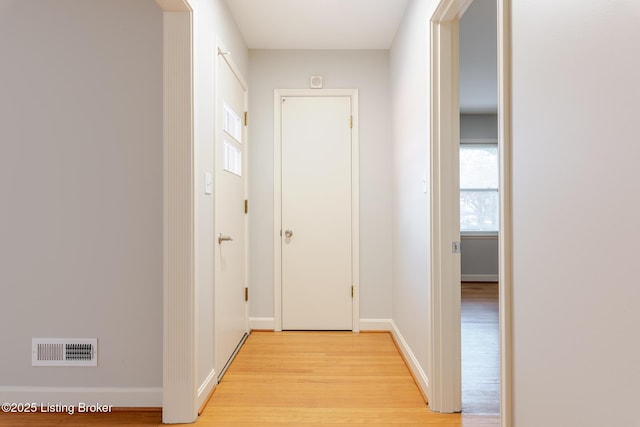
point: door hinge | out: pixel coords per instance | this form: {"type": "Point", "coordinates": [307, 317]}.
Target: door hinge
{"type": "Point", "coordinates": [246, 294]}
{"type": "Point", "coordinates": [246, 118]}
{"type": "Point", "coordinates": [246, 206]}
{"type": "Point", "coordinates": [352, 291]}
{"type": "Point", "coordinates": [351, 122]}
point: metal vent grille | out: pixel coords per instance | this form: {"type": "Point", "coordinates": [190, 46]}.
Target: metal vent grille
{"type": "Point", "coordinates": [64, 352]}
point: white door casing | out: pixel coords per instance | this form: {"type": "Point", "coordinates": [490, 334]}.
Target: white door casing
{"type": "Point", "coordinates": [445, 376]}
{"type": "Point", "coordinates": [179, 400]}
{"type": "Point", "coordinates": [445, 299]}
{"type": "Point", "coordinates": [230, 218]}
{"type": "Point", "coordinates": [316, 201]}
{"type": "Point", "coordinates": [506, 216]}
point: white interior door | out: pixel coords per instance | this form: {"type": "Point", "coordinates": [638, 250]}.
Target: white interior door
{"type": "Point", "coordinates": [316, 213]}
{"type": "Point", "coordinates": [230, 217]}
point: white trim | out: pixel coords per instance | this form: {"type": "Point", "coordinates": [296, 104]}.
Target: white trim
{"type": "Point", "coordinates": [479, 235]}
{"type": "Point", "coordinates": [319, 92]}
{"type": "Point", "coordinates": [179, 292]}
{"type": "Point", "coordinates": [366, 325]}
{"type": "Point", "coordinates": [471, 111]}
{"type": "Point", "coordinates": [505, 243]}
{"type": "Point", "coordinates": [226, 55]}
{"type": "Point", "coordinates": [205, 388]}
{"type": "Point", "coordinates": [375, 325]}
{"type": "Point", "coordinates": [479, 277]}
{"type": "Point", "coordinates": [411, 359]}
{"type": "Point", "coordinates": [480, 141]}
{"type": "Point", "coordinates": [445, 349]}
{"type": "Point", "coordinates": [264, 323]}
{"type": "Point", "coordinates": [277, 198]}
{"type": "Point", "coordinates": [355, 210]}
{"type": "Point", "coordinates": [277, 211]}
{"type": "Point", "coordinates": [132, 397]}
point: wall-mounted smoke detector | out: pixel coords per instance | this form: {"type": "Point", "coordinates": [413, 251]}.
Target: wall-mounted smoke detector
{"type": "Point", "coordinates": [316, 82]}
{"type": "Point", "coordinates": [64, 352]}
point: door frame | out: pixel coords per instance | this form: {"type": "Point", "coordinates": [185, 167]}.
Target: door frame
{"type": "Point", "coordinates": [179, 343]}
{"type": "Point", "coordinates": [445, 354]}
{"type": "Point", "coordinates": [277, 198]}
{"type": "Point", "coordinates": [445, 378]}
{"type": "Point", "coordinates": [222, 52]}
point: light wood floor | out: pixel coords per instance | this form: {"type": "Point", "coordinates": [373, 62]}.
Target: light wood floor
{"type": "Point", "coordinates": [303, 379]}
{"type": "Point", "coordinates": [323, 378]}
{"type": "Point", "coordinates": [480, 349]}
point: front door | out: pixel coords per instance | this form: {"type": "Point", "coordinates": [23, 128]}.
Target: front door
{"type": "Point", "coordinates": [316, 213]}
{"type": "Point", "coordinates": [230, 217]}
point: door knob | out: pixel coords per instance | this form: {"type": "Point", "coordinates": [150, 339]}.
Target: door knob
{"type": "Point", "coordinates": [222, 238]}
{"type": "Point", "coordinates": [288, 234]}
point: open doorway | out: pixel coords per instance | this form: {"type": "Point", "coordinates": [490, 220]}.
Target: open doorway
{"type": "Point", "coordinates": [446, 395]}
{"type": "Point", "coordinates": [479, 208]}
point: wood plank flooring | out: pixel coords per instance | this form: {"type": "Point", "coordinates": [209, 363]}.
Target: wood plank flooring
{"type": "Point", "coordinates": [480, 349]}
{"type": "Point", "coordinates": [302, 379]}
{"type": "Point", "coordinates": [323, 378]}
{"type": "Point", "coordinates": [119, 418]}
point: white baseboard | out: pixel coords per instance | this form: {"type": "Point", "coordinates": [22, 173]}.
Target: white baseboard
{"type": "Point", "coordinates": [375, 325]}
{"type": "Point", "coordinates": [150, 397]}
{"type": "Point", "coordinates": [205, 388]}
{"type": "Point", "coordinates": [479, 277]}
{"type": "Point", "coordinates": [414, 365]}
{"type": "Point", "coordinates": [265, 323]}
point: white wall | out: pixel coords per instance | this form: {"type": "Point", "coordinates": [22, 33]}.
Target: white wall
{"type": "Point", "coordinates": [81, 188]}
{"type": "Point", "coordinates": [212, 22]}
{"type": "Point", "coordinates": [479, 126]}
{"type": "Point", "coordinates": [576, 184]}
{"type": "Point", "coordinates": [363, 70]}
{"type": "Point", "coordinates": [409, 60]}
{"type": "Point", "coordinates": [479, 258]}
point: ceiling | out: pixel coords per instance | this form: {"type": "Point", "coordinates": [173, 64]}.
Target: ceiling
{"type": "Point", "coordinates": [318, 24]}
{"type": "Point", "coordinates": [371, 24]}
{"type": "Point", "coordinates": [479, 58]}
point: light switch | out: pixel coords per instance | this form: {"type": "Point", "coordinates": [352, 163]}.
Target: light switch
{"type": "Point", "coordinates": [424, 184]}
{"type": "Point", "coordinates": [208, 183]}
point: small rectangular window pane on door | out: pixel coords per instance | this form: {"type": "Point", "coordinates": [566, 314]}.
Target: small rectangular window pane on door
{"type": "Point", "coordinates": [232, 158]}
{"type": "Point", "coordinates": [232, 124]}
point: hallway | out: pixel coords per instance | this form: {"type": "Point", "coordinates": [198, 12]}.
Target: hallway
{"type": "Point", "coordinates": [323, 378]}
{"type": "Point", "coordinates": [300, 379]}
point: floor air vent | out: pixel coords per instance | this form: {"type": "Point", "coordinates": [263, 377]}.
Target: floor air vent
{"type": "Point", "coordinates": [64, 352]}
